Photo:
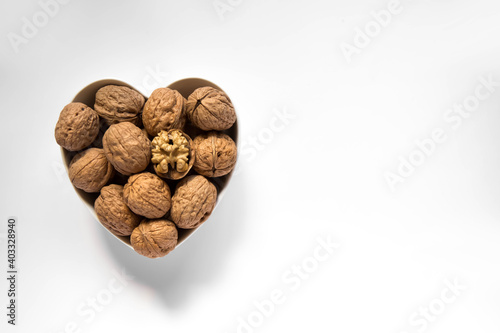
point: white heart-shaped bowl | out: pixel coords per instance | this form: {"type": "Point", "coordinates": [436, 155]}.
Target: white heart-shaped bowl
{"type": "Point", "coordinates": [185, 87]}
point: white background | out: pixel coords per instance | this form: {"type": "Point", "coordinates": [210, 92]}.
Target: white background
{"type": "Point", "coordinates": [321, 174]}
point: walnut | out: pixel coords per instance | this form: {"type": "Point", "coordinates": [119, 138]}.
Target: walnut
{"type": "Point", "coordinates": [193, 202]}
{"type": "Point", "coordinates": [173, 154]}
{"type": "Point", "coordinates": [154, 238]}
{"type": "Point", "coordinates": [164, 110]}
{"type": "Point", "coordinates": [90, 170]}
{"type": "Point", "coordinates": [113, 213]}
{"type": "Point", "coordinates": [215, 154]}
{"type": "Point", "coordinates": [210, 109]}
{"type": "Point", "coordinates": [77, 127]}
{"type": "Point", "coordinates": [147, 195]}
{"type": "Point", "coordinates": [127, 148]}
{"type": "Point", "coordinates": [116, 104]}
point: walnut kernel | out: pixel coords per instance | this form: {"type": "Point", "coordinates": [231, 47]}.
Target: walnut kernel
{"type": "Point", "coordinates": [172, 154]}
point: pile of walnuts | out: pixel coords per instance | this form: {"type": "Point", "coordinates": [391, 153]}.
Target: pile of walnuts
{"type": "Point", "coordinates": [131, 151]}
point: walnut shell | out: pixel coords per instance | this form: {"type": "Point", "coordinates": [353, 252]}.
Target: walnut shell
{"type": "Point", "coordinates": [154, 238]}
{"type": "Point", "coordinates": [116, 104]}
{"type": "Point", "coordinates": [147, 195]}
{"type": "Point", "coordinates": [172, 154]}
{"type": "Point", "coordinates": [210, 109]}
{"type": "Point", "coordinates": [193, 202]}
{"type": "Point", "coordinates": [215, 154]}
{"type": "Point", "coordinates": [77, 127]}
{"type": "Point", "coordinates": [90, 170]}
{"type": "Point", "coordinates": [113, 213]}
{"type": "Point", "coordinates": [164, 110]}
{"type": "Point", "coordinates": [127, 148]}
